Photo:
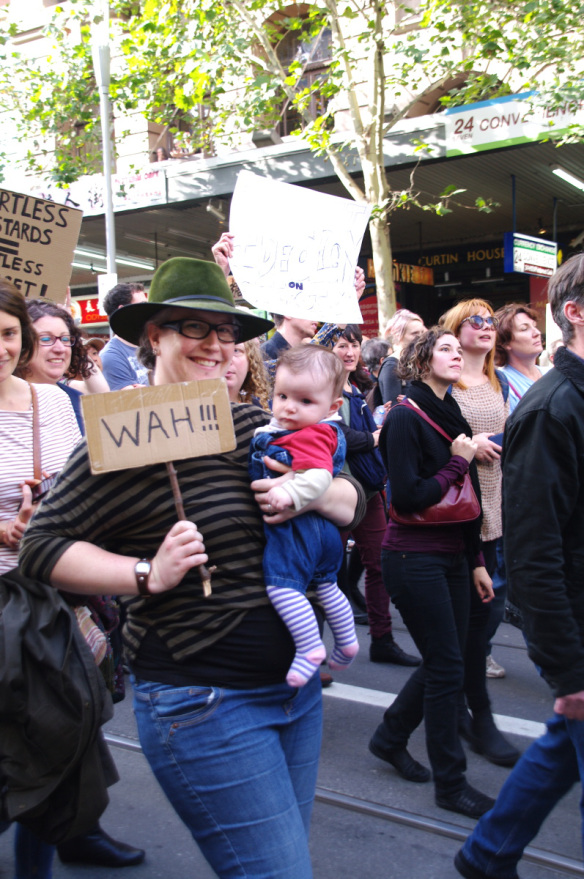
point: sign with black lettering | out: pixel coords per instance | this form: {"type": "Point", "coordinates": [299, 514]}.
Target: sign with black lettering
{"type": "Point", "coordinates": [37, 240]}
{"type": "Point", "coordinates": [144, 426]}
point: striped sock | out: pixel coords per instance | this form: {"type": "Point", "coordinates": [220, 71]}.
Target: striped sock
{"type": "Point", "coordinates": [297, 614]}
{"type": "Point", "coordinates": [340, 618]}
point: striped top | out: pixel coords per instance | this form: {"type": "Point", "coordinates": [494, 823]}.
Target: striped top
{"type": "Point", "coordinates": [59, 434]}
{"type": "Point", "coordinates": [131, 511]}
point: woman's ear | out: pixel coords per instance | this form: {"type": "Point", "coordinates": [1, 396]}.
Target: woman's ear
{"type": "Point", "coordinates": [153, 332]}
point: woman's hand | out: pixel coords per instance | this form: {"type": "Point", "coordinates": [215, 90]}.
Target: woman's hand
{"type": "Point", "coordinates": [181, 550]}
{"type": "Point", "coordinates": [15, 528]}
{"type": "Point", "coordinates": [487, 451]}
{"type": "Point", "coordinates": [262, 487]}
{"type": "Point", "coordinates": [223, 251]}
{"type": "Point", "coordinates": [483, 584]}
{"type": "Point", "coordinates": [464, 446]}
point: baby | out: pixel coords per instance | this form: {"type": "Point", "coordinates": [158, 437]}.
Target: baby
{"type": "Point", "coordinates": [306, 549]}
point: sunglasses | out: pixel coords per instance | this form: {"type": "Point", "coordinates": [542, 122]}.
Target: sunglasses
{"type": "Point", "coordinates": [477, 322]}
{"type": "Point", "coordinates": [200, 329]}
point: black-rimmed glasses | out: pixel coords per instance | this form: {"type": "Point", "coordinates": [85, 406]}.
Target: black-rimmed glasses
{"type": "Point", "coordinates": [200, 329]}
{"type": "Point", "coordinates": [477, 322]}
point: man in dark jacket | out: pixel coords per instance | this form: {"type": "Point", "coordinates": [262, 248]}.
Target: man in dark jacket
{"type": "Point", "coordinates": [543, 504]}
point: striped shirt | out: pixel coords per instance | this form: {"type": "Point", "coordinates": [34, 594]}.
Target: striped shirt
{"type": "Point", "coordinates": [130, 512]}
{"type": "Point", "coordinates": [59, 434]}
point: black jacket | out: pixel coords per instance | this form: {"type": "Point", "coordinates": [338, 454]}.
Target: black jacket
{"type": "Point", "coordinates": [54, 763]}
{"type": "Point", "coordinates": [543, 506]}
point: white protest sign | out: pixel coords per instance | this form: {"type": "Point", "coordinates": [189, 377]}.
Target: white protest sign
{"type": "Point", "coordinates": [144, 426]}
{"type": "Point", "coordinates": [295, 250]}
{"type": "Point", "coordinates": [37, 241]}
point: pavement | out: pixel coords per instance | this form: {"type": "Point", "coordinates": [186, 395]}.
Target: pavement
{"type": "Point", "coordinates": [368, 822]}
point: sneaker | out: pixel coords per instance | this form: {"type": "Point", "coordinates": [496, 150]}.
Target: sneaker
{"type": "Point", "coordinates": [469, 801]}
{"type": "Point", "coordinates": [494, 670]}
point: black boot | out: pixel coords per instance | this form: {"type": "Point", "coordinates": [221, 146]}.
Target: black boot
{"type": "Point", "coordinates": [385, 649]}
{"type": "Point", "coordinates": [99, 849]}
{"type": "Point", "coordinates": [487, 740]}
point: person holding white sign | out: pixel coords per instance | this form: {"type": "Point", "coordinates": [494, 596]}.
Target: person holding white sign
{"type": "Point", "coordinates": [234, 747]}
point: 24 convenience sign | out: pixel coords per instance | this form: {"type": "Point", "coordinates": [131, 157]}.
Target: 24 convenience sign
{"type": "Point", "coordinates": [37, 240]}
{"type": "Point", "coordinates": [505, 122]}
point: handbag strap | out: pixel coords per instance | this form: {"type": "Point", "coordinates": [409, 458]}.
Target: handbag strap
{"type": "Point", "coordinates": [428, 419]}
{"type": "Point", "coordinates": [36, 435]}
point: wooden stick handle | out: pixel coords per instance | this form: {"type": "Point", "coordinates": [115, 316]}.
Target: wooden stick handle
{"type": "Point", "coordinates": [179, 506]}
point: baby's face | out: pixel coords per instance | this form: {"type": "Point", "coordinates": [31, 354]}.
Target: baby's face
{"type": "Point", "coordinates": [299, 400]}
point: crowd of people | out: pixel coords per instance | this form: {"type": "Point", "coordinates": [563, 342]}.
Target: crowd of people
{"type": "Point", "coordinates": [227, 687]}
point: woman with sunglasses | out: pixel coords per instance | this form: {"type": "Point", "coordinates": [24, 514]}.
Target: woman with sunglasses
{"type": "Point", "coordinates": [482, 394]}
{"type": "Point", "coordinates": [233, 746]}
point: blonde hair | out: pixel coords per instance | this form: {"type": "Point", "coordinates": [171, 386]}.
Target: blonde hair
{"type": "Point", "coordinates": [398, 324]}
{"type": "Point", "coordinates": [453, 320]}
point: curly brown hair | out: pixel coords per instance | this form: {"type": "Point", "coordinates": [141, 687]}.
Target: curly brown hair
{"type": "Point", "coordinates": [81, 365]}
{"type": "Point", "coordinates": [13, 303]}
{"type": "Point", "coordinates": [256, 382]}
{"type": "Point", "coordinates": [415, 360]}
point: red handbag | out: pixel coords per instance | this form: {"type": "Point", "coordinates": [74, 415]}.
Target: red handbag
{"type": "Point", "coordinates": [460, 503]}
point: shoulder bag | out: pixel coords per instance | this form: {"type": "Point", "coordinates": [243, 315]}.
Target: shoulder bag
{"type": "Point", "coordinates": [460, 503]}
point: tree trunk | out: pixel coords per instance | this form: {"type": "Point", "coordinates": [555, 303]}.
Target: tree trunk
{"type": "Point", "coordinates": [383, 264]}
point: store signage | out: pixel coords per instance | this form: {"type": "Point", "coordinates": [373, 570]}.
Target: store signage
{"type": "Point", "coordinates": [530, 256]}
{"type": "Point", "coordinates": [145, 426]}
{"type": "Point", "coordinates": [406, 274]}
{"type": "Point", "coordinates": [505, 122]}
{"type": "Point", "coordinates": [37, 240]}
{"type": "Point", "coordinates": [89, 311]}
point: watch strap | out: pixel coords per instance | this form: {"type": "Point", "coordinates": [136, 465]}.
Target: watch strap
{"type": "Point", "coordinates": [142, 572]}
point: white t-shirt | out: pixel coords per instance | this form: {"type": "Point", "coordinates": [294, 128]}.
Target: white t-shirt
{"type": "Point", "coordinates": [59, 434]}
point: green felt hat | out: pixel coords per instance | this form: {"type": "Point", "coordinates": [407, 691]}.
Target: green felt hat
{"type": "Point", "coordinates": [190, 284]}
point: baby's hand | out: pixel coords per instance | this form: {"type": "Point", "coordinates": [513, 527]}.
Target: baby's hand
{"type": "Point", "coordinates": [279, 499]}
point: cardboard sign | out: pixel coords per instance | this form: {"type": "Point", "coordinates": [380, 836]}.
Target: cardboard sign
{"type": "Point", "coordinates": [37, 240]}
{"type": "Point", "coordinates": [144, 426]}
{"type": "Point", "coordinates": [296, 250]}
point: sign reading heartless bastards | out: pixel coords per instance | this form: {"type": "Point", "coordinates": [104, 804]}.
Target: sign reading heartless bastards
{"type": "Point", "coordinates": [37, 241]}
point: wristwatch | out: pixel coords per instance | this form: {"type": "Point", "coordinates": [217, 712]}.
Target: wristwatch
{"type": "Point", "coordinates": [142, 571]}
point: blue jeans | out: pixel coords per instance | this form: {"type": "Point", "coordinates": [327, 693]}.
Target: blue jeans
{"type": "Point", "coordinates": [239, 768]}
{"type": "Point", "coordinates": [432, 593]}
{"type": "Point", "coordinates": [33, 858]}
{"type": "Point", "coordinates": [544, 774]}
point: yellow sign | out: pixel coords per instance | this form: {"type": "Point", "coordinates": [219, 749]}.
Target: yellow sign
{"type": "Point", "coordinates": [145, 426]}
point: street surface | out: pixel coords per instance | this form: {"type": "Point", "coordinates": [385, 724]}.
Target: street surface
{"type": "Point", "coordinates": [368, 822]}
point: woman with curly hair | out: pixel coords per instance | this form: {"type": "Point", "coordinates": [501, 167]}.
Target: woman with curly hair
{"type": "Point", "coordinates": [428, 567]}
{"type": "Point", "coordinates": [247, 378]}
{"type": "Point", "coordinates": [60, 353]}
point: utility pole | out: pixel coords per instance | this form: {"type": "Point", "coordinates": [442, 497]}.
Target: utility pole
{"type": "Point", "coordinates": [101, 66]}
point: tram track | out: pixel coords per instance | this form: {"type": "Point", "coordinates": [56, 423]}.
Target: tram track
{"type": "Point", "coordinates": [550, 860]}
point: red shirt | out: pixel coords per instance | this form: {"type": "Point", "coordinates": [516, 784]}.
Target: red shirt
{"type": "Point", "coordinates": [311, 447]}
